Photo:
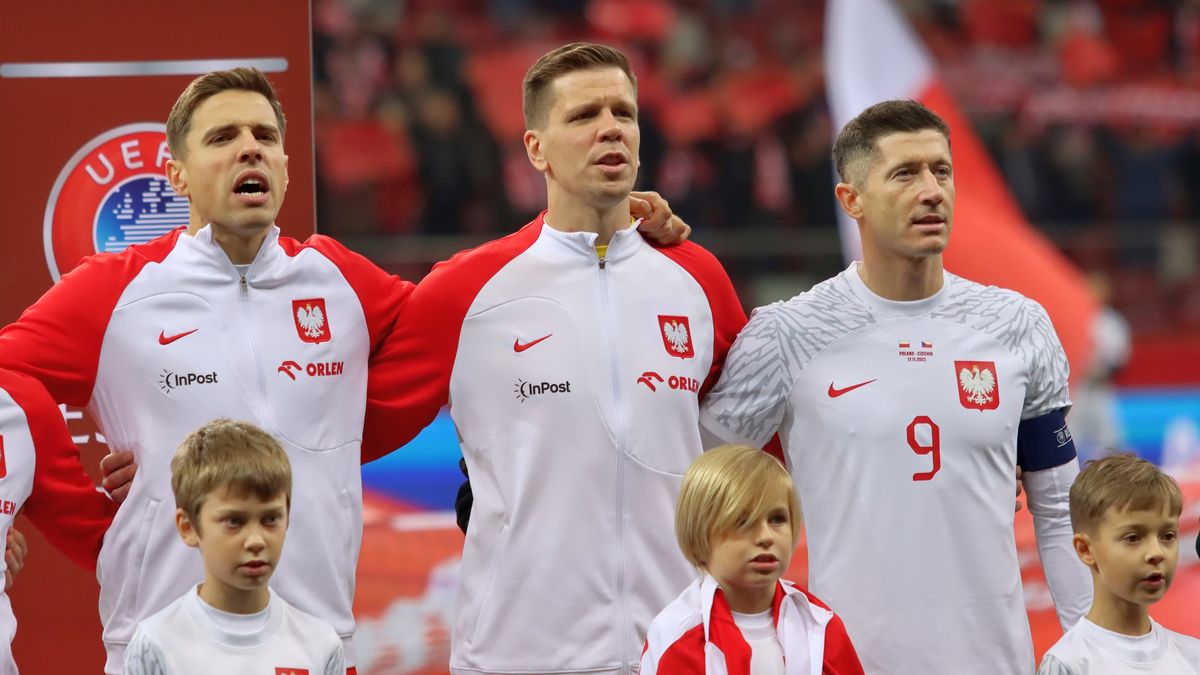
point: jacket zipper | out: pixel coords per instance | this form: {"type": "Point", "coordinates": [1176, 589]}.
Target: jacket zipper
{"type": "Point", "coordinates": [244, 297]}
{"type": "Point", "coordinates": [619, 435]}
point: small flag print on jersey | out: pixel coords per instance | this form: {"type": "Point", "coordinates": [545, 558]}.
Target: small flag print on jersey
{"type": "Point", "coordinates": [925, 344]}
{"type": "Point", "coordinates": [905, 344]}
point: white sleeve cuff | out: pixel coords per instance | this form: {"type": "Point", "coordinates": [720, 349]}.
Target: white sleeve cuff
{"type": "Point", "coordinates": [1069, 580]}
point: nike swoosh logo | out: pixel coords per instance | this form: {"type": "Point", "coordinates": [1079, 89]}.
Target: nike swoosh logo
{"type": "Point", "coordinates": [518, 347]}
{"type": "Point", "coordinates": [164, 339]}
{"type": "Point", "coordinates": [834, 392]}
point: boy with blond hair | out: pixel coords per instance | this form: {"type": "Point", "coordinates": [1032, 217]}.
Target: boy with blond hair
{"type": "Point", "coordinates": [737, 520]}
{"type": "Point", "coordinates": [233, 493]}
{"type": "Point", "coordinates": [1125, 513]}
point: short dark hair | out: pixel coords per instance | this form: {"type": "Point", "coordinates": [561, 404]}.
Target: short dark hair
{"type": "Point", "coordinates": [179, 122]}
{"type": "Point", "coordinates": [857, 143]}
{"type": "Point", "coordinates": [1123, 482]}
{"type": "Point", "coordinates": [566, 59]}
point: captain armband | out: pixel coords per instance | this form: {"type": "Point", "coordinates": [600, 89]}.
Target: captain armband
{"type": "Point", "coordinates": [1044, 442]}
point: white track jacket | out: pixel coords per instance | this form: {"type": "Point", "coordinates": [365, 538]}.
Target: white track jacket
{"type": "Point", "coordinates": [166, 336]}
{"type": "Point", "coordinates": [41, 477]}
{"type": "Point", "coordinates": [574, 385]}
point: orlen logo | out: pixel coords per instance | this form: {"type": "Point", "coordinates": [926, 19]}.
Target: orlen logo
{"type": "Point", "coordinates": [111, 194]}
{"type": "Point", "coordinates": [676, 382]}
{"type": "Point", "coordinates": [526, 390]}
{"type": "Point", "coordinates": [327, 369]}
{"type": "Point", "coordinates": [169, 381]}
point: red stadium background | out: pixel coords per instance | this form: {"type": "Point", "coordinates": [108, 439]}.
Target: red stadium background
{"type": "Point", "coordinates": [50, 117]}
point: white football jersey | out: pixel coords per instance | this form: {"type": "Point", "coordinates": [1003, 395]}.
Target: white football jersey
{"type": "Point", "coordinates": [1088, 649]}
{"type": "Point", "coordinates": [184, 638]}
{"type": "Point", "coordinates": [899, 422]}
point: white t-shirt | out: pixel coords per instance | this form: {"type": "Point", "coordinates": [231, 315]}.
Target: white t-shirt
{"type": "Point", "coordinates": [766, 654]}
{"type": "Point", "coordinates": [1088, 649]}
{"type": "Point", "coordinates": [188, 637]}
{"type": "Point", "coordinates": [899, 423]}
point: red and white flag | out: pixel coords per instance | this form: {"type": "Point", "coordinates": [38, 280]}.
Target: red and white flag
{"type": "Point", "coordinates": [873, 55]}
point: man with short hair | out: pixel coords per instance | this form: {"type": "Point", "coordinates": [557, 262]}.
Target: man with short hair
{"type": "Point", "coordinates": [573, 355]}
{"type": "Point", "coordinates": [224, 318]}
{"type": "Point", "coordinates": [906, 398]}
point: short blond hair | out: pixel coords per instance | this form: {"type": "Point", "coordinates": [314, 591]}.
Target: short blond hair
{"type": "Point", "coordinates": [724, 491]}
{"type": "Point", "coordinates": [179, 121]}
{"type": "Point", "coordinates": [227, 454]}
{"type": "Point", "coordinates": [1123, 482]}
{"type": "Point", "coordinates": [535, 88]}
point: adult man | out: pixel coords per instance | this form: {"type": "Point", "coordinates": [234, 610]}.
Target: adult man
{"type": "Point", "coordinates": [573, 355]}
{"type": "Point", "coordinates": [225, 319]}
{"type": "Point", "coordinates": [55, 494]}
{"type": "Point", "coordinates": [906, 398]}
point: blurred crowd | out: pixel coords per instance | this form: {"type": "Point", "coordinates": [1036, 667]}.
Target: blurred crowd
{"type": "Point", "coordinates": [1091, 109]}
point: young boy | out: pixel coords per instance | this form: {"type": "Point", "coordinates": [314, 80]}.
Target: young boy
{"type": "Point", "coordinates": [1125, 513]}
{"type": "Point", "coordinates": [56, 495]}
{"type": "Point", "coordinates": [737, 520]}
{"type": "Point", "coordinates": [233, 492]}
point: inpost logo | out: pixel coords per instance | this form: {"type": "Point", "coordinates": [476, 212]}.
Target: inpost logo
{"type": "Point", "coordinates": [524, 390]}
{"type": "Point", "coordinates": [169, 381]}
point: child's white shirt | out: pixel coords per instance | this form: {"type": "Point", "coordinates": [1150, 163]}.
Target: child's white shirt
{"type": "Point", "coordinates": [766, 654]}
{"type": "Point", "coordinates": [1088, 649]}
{"type": "Point", "coordinates": [189, 637]}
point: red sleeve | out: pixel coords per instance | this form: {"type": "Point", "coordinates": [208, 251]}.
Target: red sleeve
{"type": "Point", "coordinates": [409, 378]}
{"type": "Point", "coordinates": [727, 312]}
{"type": "Point", "coordinates": [840, 657]}
{"type": "Point", "coordinates": [57, 339]}
{"type": "Point", "coordinates": [63, 504]}
{"type": "Point", "coordinates": [685, 656]}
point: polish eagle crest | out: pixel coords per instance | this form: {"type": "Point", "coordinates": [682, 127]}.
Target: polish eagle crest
{"type": "Point", "coordinates": [676, 335]}
{"type": "Point", "coordinates": [311, 319]}
{"type": "Point", "coordinates": [977, 384]}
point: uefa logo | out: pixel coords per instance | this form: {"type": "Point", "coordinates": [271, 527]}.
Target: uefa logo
{"type": "Point", "coordinates": [113, 193]}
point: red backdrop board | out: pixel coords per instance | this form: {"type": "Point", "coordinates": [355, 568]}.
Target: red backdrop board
{"type": "Point", "coordinates": [85, 89]}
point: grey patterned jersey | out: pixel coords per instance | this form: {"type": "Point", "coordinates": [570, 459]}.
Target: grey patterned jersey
{"type": "Point", "coordinates": [750, 400]}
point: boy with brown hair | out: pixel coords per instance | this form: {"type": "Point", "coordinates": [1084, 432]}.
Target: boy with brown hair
{"type": "Point", "coordinates": [1125, 513]}
{"type": "Point", "coordinates": [737, 520]}
{"type": "Point", "coordinates": [233, 492]}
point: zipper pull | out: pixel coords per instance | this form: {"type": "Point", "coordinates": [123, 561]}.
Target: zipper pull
{"type": "Point", "coordinates": [602, 260]}
{"type": "Point", "coordinates": [242, 286]}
